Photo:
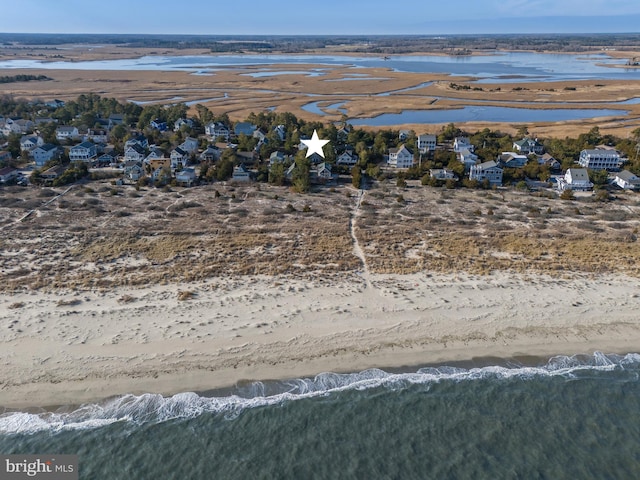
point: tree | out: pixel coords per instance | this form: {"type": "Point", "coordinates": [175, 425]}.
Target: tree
{"type": "Point", "coordinates": [300, 180]}
{"type": "Point", "coordinates": [567, 195]}
{"type": "Point", "coordinates": [224, 168]}
{"type": "Point", "coordinates": [356, 177]}
{"type": "Point", "coordinates": [276, 174]}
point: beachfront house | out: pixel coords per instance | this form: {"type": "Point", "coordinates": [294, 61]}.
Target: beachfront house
{"type": "Point", "coordinates": [442, 174]}
{"type": "Point", "coordinates": [28, 143]}
{"type": "Point", "coordinates": [400, 157]}
{"type": "Point", "coordinates": [186, 177]}
{"type": "Point", "coordinates": [600, 159]}
{"type": "Point", "coordinates": [84, 152]}
{"type": "Point", "coordinates": [7, 174]}
{"type": "Point", "coordinates": [348, 158]}
{"type": "Point", "coordinates": [627, 180]}
{"type": "Point", "coordinates": [489, 171]}
{"type": "Point", "coordinates": [322, 174]}
{"type": "Point", "coordinates": [133, 170]}
{"type": "Point", "coordinates": [241, 174]}
{"type": "Point", "coordinates": [575, 179]}
{"type": "Point", "coordinates": [97, 135]}
{"type": "Point", "coordinates": [512, 160]}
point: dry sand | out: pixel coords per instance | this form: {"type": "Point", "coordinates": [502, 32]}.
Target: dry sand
{"type": "Point", "coordinates": [68, 348]}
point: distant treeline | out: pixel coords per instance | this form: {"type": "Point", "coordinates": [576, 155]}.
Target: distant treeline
{"type": "Point", "coordinates": [380, 44]}
{"type": "Point", "coordinates": [22, 78]}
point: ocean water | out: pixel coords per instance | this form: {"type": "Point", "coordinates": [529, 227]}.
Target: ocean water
{"type": "Point", "coordinates": [569, 417]}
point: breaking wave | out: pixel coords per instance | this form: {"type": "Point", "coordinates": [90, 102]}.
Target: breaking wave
{"type": "Point", "coordinates": [154, 408]}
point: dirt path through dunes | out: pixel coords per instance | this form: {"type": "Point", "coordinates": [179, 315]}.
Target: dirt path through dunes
{"type": "Point", "coordinates": [357, 249]}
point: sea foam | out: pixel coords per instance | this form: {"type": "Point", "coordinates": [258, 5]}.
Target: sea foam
{"type": "Point", "coordinates": [154, 408]}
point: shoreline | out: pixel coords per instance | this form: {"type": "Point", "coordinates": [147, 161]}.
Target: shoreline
{"type": "Point", "coordinates": [92, 346]}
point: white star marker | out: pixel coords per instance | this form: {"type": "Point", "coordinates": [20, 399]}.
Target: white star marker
{"type": "Point", "coordinates": [315, 145]}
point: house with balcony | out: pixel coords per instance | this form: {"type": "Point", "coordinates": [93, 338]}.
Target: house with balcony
{"type": "Point", "coordinates": [527, 146]}
{"type": "Point", "coordinates": [84, 152]}
{"type": "Point", "coordinates": [217, 129]}
{"type": "Point", "coordinates": [462, 142]}
{"type": "Point", "coordinates": [487, 171]}
{"type": "Point", "coordinates": [601, 159]}
{"type": "Point", "coordinates": [67, 132]}
{"type": "Point", "coordinates": [426, 143]}
{"type": "Point", "coordinates": [44, 153]}
{"type": "Point", "coordinates": [400, 157]}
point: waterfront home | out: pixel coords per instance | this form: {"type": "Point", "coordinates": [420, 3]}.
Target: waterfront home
{"type": "Point", "coordinates": [426, 143]}
{"type": "Point", "coordinates": [44, 153]}
{"type": "Point", "coordinates": [322, 174]}
{"type": "Point", "coordinates": [600, 159]}
{"type": "Point", "coordinates": [7, 174]}
{"type": "Point", "coordinates": [442, 174]}
{"type": "Point", "coordinates": [576, 179]}
{"type": "Point", "coordinates": [348, 158]}
{"type": "Point", "coordinates": [487, 171]}
{"type": "Point", "coordinates": [186, 177]}
{"type": "Point", "coordinates": [106, 159]}
{"type": "Point", "coordinates": [627, 180]}
{"type": "Point", "coordinates": [512, 160]}
{"type": "Point", "coordinates": [527, 146]}
{"type": "Point", "coordinates": [400, 157]}
{"type": "Point", "coordinates": [52, 173]}
{"type": "Point", "coordinates": [403, 135]}
{"type": "Point", "coordinates": [84, 152]}
{"type": "Point", "coordinates": [241, 174]}
{"type": "Point", "coordinates": [67, 132]}
{"type": "Point", "coordinates": [133, 170]}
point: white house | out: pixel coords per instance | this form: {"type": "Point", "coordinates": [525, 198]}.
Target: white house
{"type": "Point", "coordinates": [133, 170]}
{"type": "Point", "coordinates": [600, 159]}
{"type": "Point", "coordinates": [347, 158]}
{"type": "Point", "coordinates": [44, 153]}
{"type": "Point", "coordinates": [487, 171]}
{"type": "Point", "coordinates": [627, 180]}
{"type": "Point", "coordinates": [468, 158]}
{"type": "Point", "coordinates": [29, 143]}
{"type": "Point", "coordinates": [462, 142]}
{"type": "Point", "coordinates": [65, 132]}
{"type": "Point", "coordinates": [217, 129]}
{"type": "Point", "coordinates": [426, 143]}
{"type": "Point", "coordinates": [189, 145]}
{"type": "Point", "coordinates": [84, 152]}
{"type": "Point", "coordinates": [241, 174]}
{"type": "Point", "coordinates": [181, 122]}
{"type": "Point", "coordinates": [442, 174]}
{"type": "Point", "coordinates": [576, 179]}
{"type": "Point", "coordinates": [179, 159]}
{"type": "Point", "coordinates": [400, 157]}
{"type": "Point", "coordinates": [186, 177]}
{"type": "Point", "coordinates": [97, 135]}
{"type": "Point", "coordinates": [134, 153]}
{"type": "Point", "coordinates": [322, 173]}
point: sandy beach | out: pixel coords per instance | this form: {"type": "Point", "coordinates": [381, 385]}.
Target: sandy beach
{"type": "Point", "coordinates": [69, 348]}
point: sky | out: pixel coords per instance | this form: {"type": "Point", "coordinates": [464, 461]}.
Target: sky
{"type": "Point", "coordinates": [322, 17]}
